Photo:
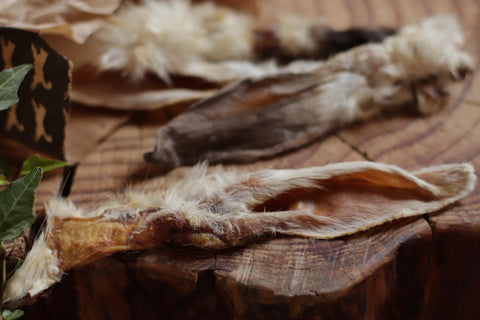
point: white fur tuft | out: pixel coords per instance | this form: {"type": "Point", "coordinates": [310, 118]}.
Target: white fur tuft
{"type": "Point", "coordinates": [40, 270]}
{"type": "Point", "coordinates": [169, 36]}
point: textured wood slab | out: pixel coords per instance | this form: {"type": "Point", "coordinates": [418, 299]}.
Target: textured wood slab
{"type": "Point", "coordinates": [422, 268]}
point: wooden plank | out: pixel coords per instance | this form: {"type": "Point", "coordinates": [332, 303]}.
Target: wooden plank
{"type": "Point", "coordinates": [301, 278]}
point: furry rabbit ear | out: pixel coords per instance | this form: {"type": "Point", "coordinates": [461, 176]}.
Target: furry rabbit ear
{"type": "Point", "coordinates": [360, 200]}
{"type": "Point", "coordinates": [229, 208]}
{"type": "Point", "coordinates": [261, 117]}
{"type": "Point", "coordinates": [331, 201]}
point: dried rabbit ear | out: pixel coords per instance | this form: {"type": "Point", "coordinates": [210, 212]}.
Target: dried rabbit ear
{"type": "Point", "coordinates": [213, 42]}
{"type": "Point", "coordinates": [230, 208]}
{"type": "Point", "coordinates": [217, 44]}
{"type": "Point", "coordinates": [262, 117]}
{"type": "Point", "coordinates": [321, 202]}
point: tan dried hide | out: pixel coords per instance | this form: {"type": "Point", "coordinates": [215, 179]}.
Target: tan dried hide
{"type": "Point", "coordinates": [262, 117]}
{"type": "Point", "coordinates": [229, 208]}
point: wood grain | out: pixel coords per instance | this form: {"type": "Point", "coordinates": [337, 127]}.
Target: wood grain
{"type": "Point", "coordinates": [320, 276]}
{"type": "Point", "coordinates": [412, 269]}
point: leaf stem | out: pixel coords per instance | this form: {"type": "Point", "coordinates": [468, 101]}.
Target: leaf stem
{"type": "Point", "coordinates": [19, 263]}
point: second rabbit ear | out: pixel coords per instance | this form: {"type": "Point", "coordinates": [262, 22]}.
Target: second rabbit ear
{"type": "Point", "coordinates": [264, 116]}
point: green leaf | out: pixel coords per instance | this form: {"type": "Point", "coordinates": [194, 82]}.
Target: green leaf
{"type": "Point", "coordinates": [3, 180]}
{"type": "Point", "coordinates": [4, 172]}
{"type": "Point", "coordinates": [12, 315]}
{"type": "Point", "coordinates": [45, 164]}
{"type": "Point", "coordinates": [10, 81]}
{"type": "Point", "coordinates": [16, 205]}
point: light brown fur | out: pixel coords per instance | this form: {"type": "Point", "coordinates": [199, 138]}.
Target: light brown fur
{"type": "Point", "coordinates": [229, 208]}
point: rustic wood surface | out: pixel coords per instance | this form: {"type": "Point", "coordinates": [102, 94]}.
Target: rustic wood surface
{"type": "Point", "coordinates": [423, 268]}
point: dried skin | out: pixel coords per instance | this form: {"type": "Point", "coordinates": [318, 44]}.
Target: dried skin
{"type": "Point", "coordinates": [72, 19]}
{"type": "Point", "coordinates": [321, 42]}
{"type": "Point", "coordinates": [218, 45]}
{"type": "Point", "coordinates": [262, 117]}
{"type": "Point", "coordinates": [227, 209]}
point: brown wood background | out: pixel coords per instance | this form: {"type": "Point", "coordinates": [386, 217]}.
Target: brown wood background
{"type": "Point", "coordinates": [424, 268]}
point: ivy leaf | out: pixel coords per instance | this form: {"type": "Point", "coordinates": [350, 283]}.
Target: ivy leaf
{"type": "Point", "coordinates": [3, 180]}
{"type": "Point", "coordinates": [4, 172]}
{"type": "Point", "coordinates": [16, 205]}
{"type": "Point", "coordinates": [12, 315]}
{"type": "Point", "coordinates": [10, 81]}
{"type": "Point", "coordinates": [38, 162]}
